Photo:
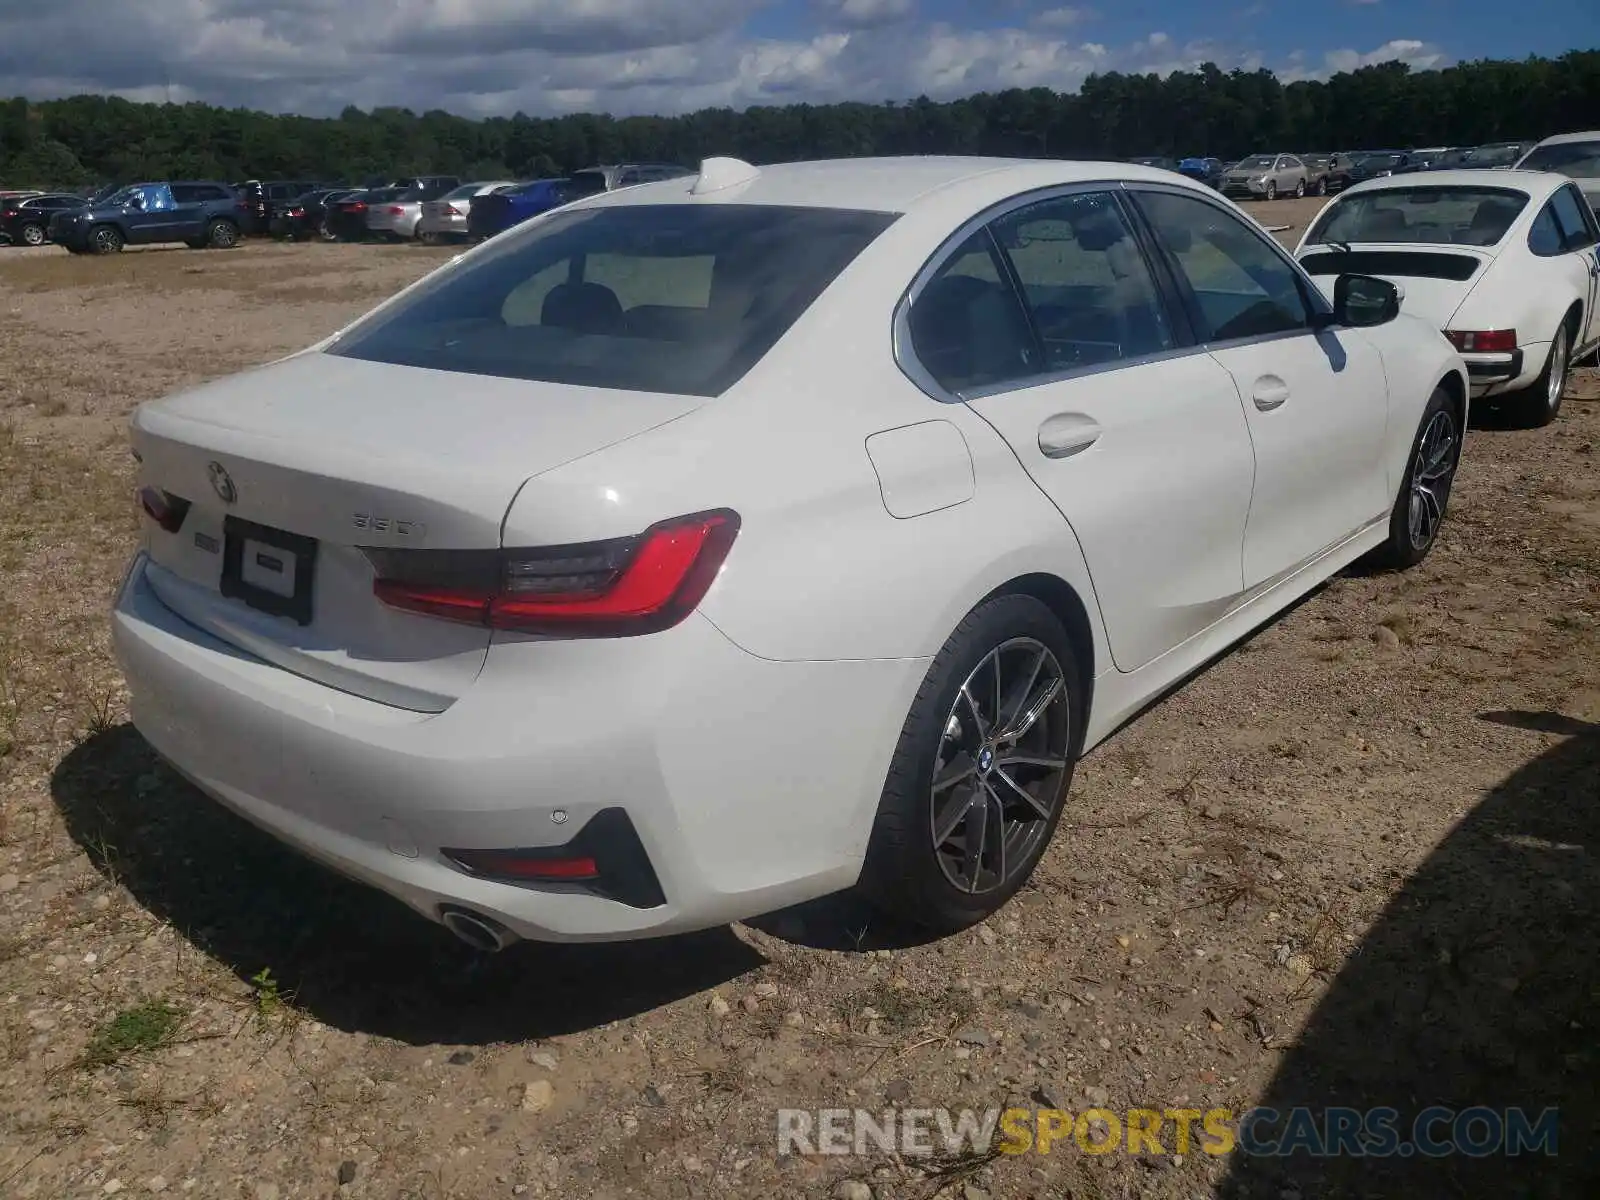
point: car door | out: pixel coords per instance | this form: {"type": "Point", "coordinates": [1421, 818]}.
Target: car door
{"type": "Point", "coordinates": [1136, 436]}
{"type": "Point", "coordinates": [188, 212]}
{"type": "Point", "coordinates": [1316, 400]}
{"type": "Point", "coordinates": [1579, 236]}
{"type": "Point", "coordinates": [145, 214]}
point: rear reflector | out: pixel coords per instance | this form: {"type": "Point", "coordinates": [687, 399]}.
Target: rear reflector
{"type": "Point", "coordinates": [395, 210]}
{"type": "Point", "coordinates": [1489, 341]}
{"type": "Point", "coordinates": [165, 509]}
{"type": "Point", "coordinates": [614, 588]}
{"type": "Point", "coordinates": [605, 858]}
{"type": "Point", "coordinates": [451, 210]}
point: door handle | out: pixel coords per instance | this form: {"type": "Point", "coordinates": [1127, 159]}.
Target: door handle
{"type": "Point", "coordinates": [1065, 434]}
{"type": "Point", "coordinates": [1269, 393]}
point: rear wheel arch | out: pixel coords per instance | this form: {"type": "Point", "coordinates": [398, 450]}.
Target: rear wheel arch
{"type": "Point", "coordinates": [1062, 599]}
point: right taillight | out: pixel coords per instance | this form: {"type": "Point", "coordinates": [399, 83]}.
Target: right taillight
{"type": "Point", "coordinates": [165, 509]}
{"type": "Point", "coordinates": [1485, 341]}
{"type": "Point", "coordinates": [614, 588]}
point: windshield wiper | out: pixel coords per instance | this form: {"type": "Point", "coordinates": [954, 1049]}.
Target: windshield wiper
{"type": "Point", "coordinates": [1344, 246]}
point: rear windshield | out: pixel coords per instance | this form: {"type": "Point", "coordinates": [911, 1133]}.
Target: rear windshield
{"type": "Point", "coordinates": [465, 192]}
{"type": "Point", "coordinates": [1581, 160]}
{"type": "Point", "coordinates": [1449, 215]}
{"type": "Point", "coordinates": [677, 299]}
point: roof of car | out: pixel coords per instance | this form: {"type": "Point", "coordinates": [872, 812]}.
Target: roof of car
{"type": "Point", "coordinates": [892, 184]}
{"type": "Point", "coordinates": [1561, 139]}
{"type": "Point", "coordinates": [1535, 183]}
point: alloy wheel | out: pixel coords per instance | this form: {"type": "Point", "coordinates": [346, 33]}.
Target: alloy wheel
{"type": "Point", "coordinates": [1558, 370]}
{"type": "Point", "coordinates": [1431, 476]}
{"type": "Point", "coordinates": [107, 240]}
{"type": "Point", "coordinates": [1000, 769]}
{"type": "Point", "coordinates": [32, 235]}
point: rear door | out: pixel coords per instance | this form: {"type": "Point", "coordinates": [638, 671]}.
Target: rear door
{"type": "Point", "coordinates": [1135, 435]}
{"type": "Point", "coordinates": [1317, 401]}
{"type": "Point", "coordinates": [188, 210]}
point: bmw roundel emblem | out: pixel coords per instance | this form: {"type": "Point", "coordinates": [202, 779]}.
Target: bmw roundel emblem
{"type": "Point", "coordinates": [222, 482]}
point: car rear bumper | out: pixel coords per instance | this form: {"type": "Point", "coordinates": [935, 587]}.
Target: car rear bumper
{"type": "Point", "coordinates": [750, 784]}
{"type": "Point", "coordinates": [1490, 374]}
{"type": "Point", "coordinates": [386, 224]}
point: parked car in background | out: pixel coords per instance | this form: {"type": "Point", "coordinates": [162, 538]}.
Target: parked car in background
{"type": "Point", "coordinates": [345, 218]}
{"type": "Point", "coordinates": [263, 198]}
{"type": "Point", "coordinates": [498, 211]}
{"type": "Point", "coordinates": [199, 213]}
{"type": "Point", "coordinates": [1376, 164]}
{"type": "Point", "coordinates": [1208, 171]}
{"type": "Point", "coordinates": [437, 184]}
{"type": "Point", "coordinates": [1316, 173]}
{"type": "Point", "coordinates": [1575, 155]}
{"type": "Point", "coordinates": [395, 217]}
{"type": "Point", "coordinates": [25, 219]}
{"type": "Point", "coordinates": [1425, 159]}
{"type": "Point", "coordinates": [1158, 161]}
{"type": "Point", "coordinates": [1502, 262]}
{"type": "Point", "coordinates": [1118, 416]}
{"type": "Point", "coordinates": [447, 217]}
{"type": "Point", "coordinates": [1501, 156]}
{"type": "Point", "coordinates": [1266, 177]}
{"type": "Point", "coordinates": [306, 216]}
{"type": "Point", "coordinates": [624, 175]}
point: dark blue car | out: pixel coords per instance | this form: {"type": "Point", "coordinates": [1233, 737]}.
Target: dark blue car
{"type": "Point", "coordinates": [1207, 170]}
{"type": "Point", "coordinates": [198, 213]}
{"type": "Point", "coordinates": [499, 211]}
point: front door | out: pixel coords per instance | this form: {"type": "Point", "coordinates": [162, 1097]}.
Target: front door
{"type": "Point", "coordinates": [1317, 401]}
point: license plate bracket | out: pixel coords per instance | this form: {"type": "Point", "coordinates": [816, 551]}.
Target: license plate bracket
{"type": "Point", "coordinates": [269, 569]}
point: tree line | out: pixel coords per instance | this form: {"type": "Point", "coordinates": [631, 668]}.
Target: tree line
{"type": "Point", "coordinates": [87, 139]}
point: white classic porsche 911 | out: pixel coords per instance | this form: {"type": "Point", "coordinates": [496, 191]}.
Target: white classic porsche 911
{"type": "Point", "coordinates": [711, 545]}
{"type": "Point", "coordinates": [1504, 262]}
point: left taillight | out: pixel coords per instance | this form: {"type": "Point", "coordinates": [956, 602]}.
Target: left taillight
{"type": "Point", "coordinates": [162, 507]}
{"type": "Point", "coordinates": [615, 588]}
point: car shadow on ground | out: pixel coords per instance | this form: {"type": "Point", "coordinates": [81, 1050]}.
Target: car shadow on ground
{"type": "Point", "coordinates": [352, 957]}
{"type": "Point", "coordinates": [1477, 986]}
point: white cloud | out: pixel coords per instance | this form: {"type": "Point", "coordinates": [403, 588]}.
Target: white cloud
{"type": "Point", "coordinates": [485, 57]}
{"type": "Point", "coordinates": [1419, 56]}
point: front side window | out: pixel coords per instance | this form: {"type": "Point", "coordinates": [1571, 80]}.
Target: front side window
{"type": "Point", "coordinates": [1241, 286]}
{"type": "Point", "coordinates": [676, 299]}
{"type": "Point", "coordinates": [1571, 216]}
{"type": "Point", "coordinates": [1461, 216]}
{"type": "Point", "coordinates": [1085, 281]}
{"type": "Point", "coordinates": [967, 328]}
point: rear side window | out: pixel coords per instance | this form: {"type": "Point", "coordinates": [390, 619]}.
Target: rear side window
{"type": "Point", "coordinates": [1574, 222]}
{"type": "Point", "coordinates": [967, 328]}
{"type": "Point", "coordinates": [676, 299]}
{"type": "Point", "coordinates": [1086, 281]}
{"type": "Point", "coordinates": [1545, 238]}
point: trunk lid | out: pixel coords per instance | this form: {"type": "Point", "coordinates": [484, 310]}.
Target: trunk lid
{"type": "Point", "coordinates": [1434, 279]}
{"type": "Point", "coordinates": [339, 454]}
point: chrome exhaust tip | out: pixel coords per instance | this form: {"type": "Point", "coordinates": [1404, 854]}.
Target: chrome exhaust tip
{"type": "Point", "coordinates": [479, 932]}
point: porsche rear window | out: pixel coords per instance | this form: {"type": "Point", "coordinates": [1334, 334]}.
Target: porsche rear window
{"type": "Point", "coordinates": [680, 299]}
{"type": "Point", "coordinates": [1460, 216]}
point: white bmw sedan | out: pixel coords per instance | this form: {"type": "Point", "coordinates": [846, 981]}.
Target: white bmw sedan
{"type": "Point", "coordinates": [712, 545]}
{"type": "Point", "coordinates": [1506, 263]}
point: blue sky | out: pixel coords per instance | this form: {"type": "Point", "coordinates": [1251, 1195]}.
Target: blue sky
{"type": "Point", "coordinates": [483, 57]}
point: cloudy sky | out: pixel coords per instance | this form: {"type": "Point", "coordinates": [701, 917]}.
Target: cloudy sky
{"type": "Point", "coordinates": [664, 56]}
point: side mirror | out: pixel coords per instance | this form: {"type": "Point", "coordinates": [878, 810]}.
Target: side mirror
{"type": "Point", "coordinates": [1362, 301]}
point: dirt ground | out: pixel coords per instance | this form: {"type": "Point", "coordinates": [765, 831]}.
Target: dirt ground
{"type": "Point", "coordinates": [1353, 863]}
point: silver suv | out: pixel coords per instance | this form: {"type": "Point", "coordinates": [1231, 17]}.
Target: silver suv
{"type": "Point", "coordinates": [1266, 177]}
{"type": "Point", "coordinates": [1575, 155]}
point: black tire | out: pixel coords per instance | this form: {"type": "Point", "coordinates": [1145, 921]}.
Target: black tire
{"type": "Point", "coordinates": [1535, 407]}
{"type": "Point", "coordinates": [1322, 186]}
{"type": "Point", "coordinates": [1433, 462]}
{"type": "Point", "coordinates": [222, 234]}
{"type": "Point", "coordinates": [1300, 189]}
{"type": "Point", "coordinates": [908, 872]}
{"type": "Point", "coordinates": [429, 238]}
{"type": "Point", "coordinates": [105, 239]}
{"type": "Point", "coordinates": [31, 234]}
{"type": "Point", "coordinates": [1272, 189]}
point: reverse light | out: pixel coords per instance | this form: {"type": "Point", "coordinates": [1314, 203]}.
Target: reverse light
{"type": "Point", "coordinates": [165, 509]}
{"type": "Point", "coordinates": [1487, 341]}
{"type": "Point", "coordinates": [614, 588]}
